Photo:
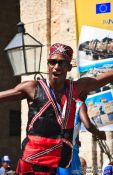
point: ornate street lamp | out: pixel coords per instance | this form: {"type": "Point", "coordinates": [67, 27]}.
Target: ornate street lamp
{"type": "Point", "coordinates": [24, 53]}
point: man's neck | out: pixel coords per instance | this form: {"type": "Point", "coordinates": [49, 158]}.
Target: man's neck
{"type": "Point", "coordinates": [59, 90]}
{"type": "Point", "coordinates": [58, 87]}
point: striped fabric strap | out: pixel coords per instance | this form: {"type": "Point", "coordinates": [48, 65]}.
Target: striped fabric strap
{"type": "Point", "coordinates": [42, 110]}
{"type": "Point", "coordinates": [44, 152]}
{"type": "Point", "coordinates": [68, 104]}
{"type": "Point", "coordinates": [46, 89]}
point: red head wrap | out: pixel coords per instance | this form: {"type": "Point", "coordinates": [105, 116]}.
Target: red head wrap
{"type": "Point", "coordinates": [61, 49]}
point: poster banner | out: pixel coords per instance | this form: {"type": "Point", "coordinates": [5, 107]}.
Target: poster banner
{"type": "Point", "coordinates": [94, 28]}
{"type": "Point", "coordinates": [95, 56]}
{"type": "Point", "coordinates": [96, 13]}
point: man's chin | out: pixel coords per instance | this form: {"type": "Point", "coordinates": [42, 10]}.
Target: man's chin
{"type": "Point", "coordinates": [57, 79]}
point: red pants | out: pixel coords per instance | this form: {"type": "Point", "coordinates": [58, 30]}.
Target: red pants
{"type": "Point", "coordinates": [24, 168]}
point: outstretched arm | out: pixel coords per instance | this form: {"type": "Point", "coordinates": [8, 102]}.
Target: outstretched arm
{"type": "Point", "coordinates": [87, 123]}
{"type": "Point", "coordinates": [87, 84]}
{"type": "Point", "coordinates": [23, 90]}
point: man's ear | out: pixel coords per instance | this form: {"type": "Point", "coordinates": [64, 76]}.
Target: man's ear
{"type": "Point", "coordinates": [69, 67]}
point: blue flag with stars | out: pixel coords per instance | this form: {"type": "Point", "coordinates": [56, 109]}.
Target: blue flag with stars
{"type": "Point", "coordinates": [103, 8]}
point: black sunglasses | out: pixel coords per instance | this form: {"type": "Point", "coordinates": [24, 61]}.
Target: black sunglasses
{"type": "Point", "coordinates": [62, 63]}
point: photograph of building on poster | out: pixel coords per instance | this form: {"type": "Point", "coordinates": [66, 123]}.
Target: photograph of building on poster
{"type": "Point", "coordinates": [95, 46]}
{"type": "Point", "coordinates": [100, 108]}
{"type": "Point", "coordinates": [95, 56]}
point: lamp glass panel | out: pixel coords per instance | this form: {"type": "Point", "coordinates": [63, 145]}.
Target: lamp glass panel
{"type": "Point", "coordinates": [29, 40]}
{"type": "Point", "coordinates": [16, 58]}
{"type": "Point", "coordinates": [32, 58]}
{"type": "Point", "coordinates": [38, 58]}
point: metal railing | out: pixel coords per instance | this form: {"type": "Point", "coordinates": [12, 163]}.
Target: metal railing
{"type": "Point", "coordinates": [103, 145]}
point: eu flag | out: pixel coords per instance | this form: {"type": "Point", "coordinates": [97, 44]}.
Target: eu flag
{"type": "Point", "coordinates": [103, 8]}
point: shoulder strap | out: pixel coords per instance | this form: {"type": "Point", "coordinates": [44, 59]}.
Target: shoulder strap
{"type": "Point", "coordinates": [70, 94]}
